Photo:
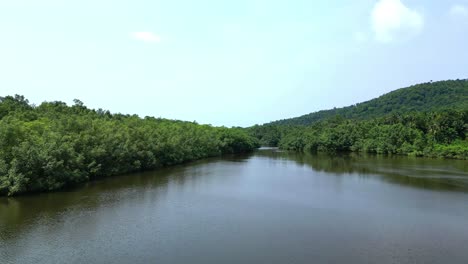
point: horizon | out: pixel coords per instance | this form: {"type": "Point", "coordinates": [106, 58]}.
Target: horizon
{"type": "Point", "coordinates": [227, 64]}
{"type": "Point", "coordinates": [274, 120]}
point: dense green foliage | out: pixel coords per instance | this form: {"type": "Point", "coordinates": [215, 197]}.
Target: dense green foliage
{"type": "Point", "coordinates": [268, 135]}
{"type": "Point", "coordinates": [438, 134]}
{"type": "Point", "coordinates": [53, 145]}
{"type": "Point", "coordinates": [424, 120]}
{"type": "Point", "coordinates": [418, 98]}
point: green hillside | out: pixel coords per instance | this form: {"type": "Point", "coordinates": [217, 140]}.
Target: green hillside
{"type": "Point", "coordinates": [425, 97]}
{"type": "Point", "coordinates": [429, 119]}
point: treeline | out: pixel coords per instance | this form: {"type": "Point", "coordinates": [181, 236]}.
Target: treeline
{"type": "Point", "coordinates": [52, 146]}
{"type": "Point", "coordinates": [425, 97]}
{"type": "Point", "coordinates": [434, 134]}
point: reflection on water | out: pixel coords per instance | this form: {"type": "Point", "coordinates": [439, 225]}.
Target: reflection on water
{"type": "Point", "coordinates": [266, 207]}
{"type": "Point", "coordinates": [18, 211]}
{"type": "Point", "coordinates": [437, 174]}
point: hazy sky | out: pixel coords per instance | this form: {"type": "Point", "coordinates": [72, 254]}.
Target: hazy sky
{"type": "Point", "coordinates": [227, 62]}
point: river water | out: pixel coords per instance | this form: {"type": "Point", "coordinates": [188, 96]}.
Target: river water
{"type": "Point", "coordinates": [266, 207]}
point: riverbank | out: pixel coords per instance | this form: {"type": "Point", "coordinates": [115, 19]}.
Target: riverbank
{"type": "Point", "coordinates": [263, 207]}
{"type": "Point", "coordinates": [54, 146]}
{"type": "Point", "coordinates": [439, 134]}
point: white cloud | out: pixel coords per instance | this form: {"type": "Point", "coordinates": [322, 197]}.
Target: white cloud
{"type": "Point", "coordinates": [392, 20]}
{"type": "Point", "coordinates": [459, 10]}
{"type": "Point", "coordinates": [146, 36]}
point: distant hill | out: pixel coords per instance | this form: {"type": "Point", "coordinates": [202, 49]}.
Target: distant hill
{"type": "Point", "coordinates": [452, 94]}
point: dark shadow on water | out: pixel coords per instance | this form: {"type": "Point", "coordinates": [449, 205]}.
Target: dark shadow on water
{"type": "Point", "coordinates": [19, 214]}
{"type": "Point", "coordinates": [425, 173]}
{"type": "Point", "coordinates": [16, 213]}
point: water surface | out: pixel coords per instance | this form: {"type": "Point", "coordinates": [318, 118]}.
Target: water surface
{"type": "Point", "coordinates": [267, 207]}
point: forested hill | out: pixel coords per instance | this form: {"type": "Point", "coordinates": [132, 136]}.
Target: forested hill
{"type": "Point", "coordinates": [51, 146]}
{"type": "Point", "coordinates": [452, 94]}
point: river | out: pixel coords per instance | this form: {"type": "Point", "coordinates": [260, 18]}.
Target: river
{"type": "Point", "coordinates": [266, 207]}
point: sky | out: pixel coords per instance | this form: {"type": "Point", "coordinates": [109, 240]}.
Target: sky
{"type": "Point", "coordinates": [230, 63]}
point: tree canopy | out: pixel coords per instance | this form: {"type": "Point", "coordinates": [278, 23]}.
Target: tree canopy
{"type": "Point", "coordinates": [432, 96]}
{"type": "Point", "coordinates": [52, 146]}
{"type": "Point", "coordinates": [429, 119]}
